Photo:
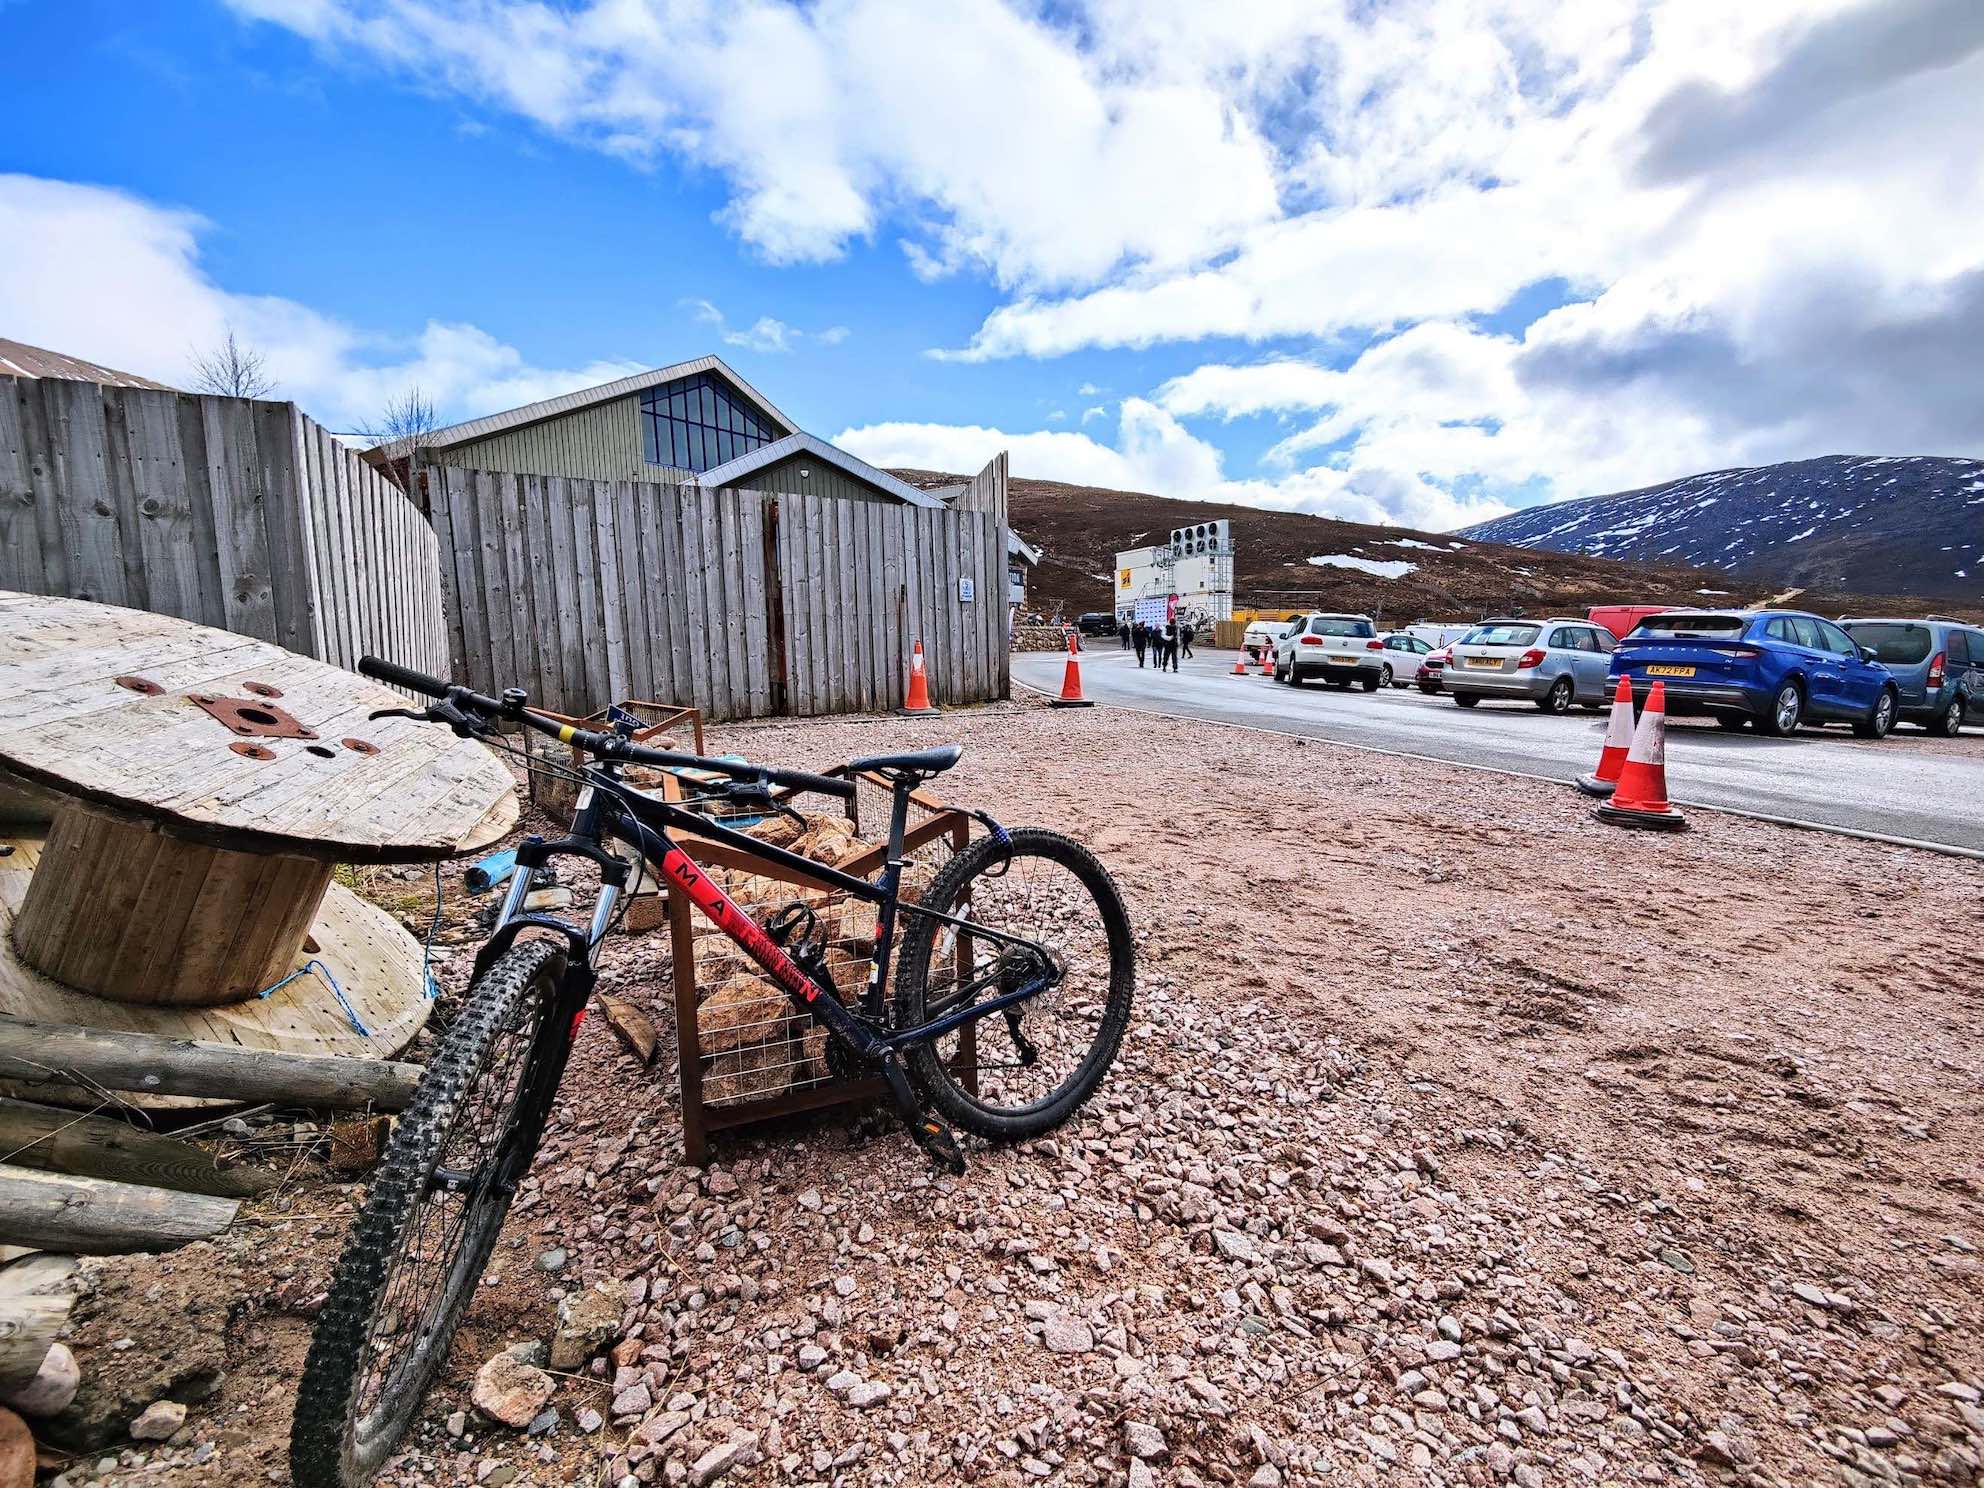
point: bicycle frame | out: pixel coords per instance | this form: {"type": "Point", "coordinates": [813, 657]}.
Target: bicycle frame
{"type": "Point", "coordinates": [609, 810]}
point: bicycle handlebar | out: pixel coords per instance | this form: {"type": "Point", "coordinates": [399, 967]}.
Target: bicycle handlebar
{"type": "Point", "coordinates": [609, 746]}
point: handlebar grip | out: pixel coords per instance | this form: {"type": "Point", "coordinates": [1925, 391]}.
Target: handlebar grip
{"type": "Point", "coordinates": [395, 675]}
{"type": "Point", "coordinates": [826, 785]}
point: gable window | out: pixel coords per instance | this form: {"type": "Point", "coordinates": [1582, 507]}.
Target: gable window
{"type": "Point", "coordinates": [695, 423]}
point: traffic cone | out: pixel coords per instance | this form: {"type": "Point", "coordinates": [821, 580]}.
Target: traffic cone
{"type": "Point", "coordinates": [1071, 683]}
{"type": "Point", "coordinates": [1618, 740]}
{"type": "Point", "coordinates": [1240, 665]}
{"type": "Point", "coordinates": [1641, 797]}
{"type": "Point", "coordinates": [918, 703]}
{"type": "Point", "coordinates": [1267, 661]}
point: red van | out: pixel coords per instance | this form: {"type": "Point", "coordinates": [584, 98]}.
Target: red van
{"type": "Point", "coordinates": [1621, 618]}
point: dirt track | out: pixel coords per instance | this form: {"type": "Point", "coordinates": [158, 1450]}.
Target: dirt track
{"type": "Point", "coordinates": [1458, 1138]}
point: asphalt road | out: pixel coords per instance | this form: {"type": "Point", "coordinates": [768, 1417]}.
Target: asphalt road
{"type": "Point", "coordinates": [1906, 786]}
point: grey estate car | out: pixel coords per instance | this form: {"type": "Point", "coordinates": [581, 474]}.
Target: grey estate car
{"type": "Point", "coordinates": [1938, 668]}
{"type": "Point", "coordinates": [1551, 663]}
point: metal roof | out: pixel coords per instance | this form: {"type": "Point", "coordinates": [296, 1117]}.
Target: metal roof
{"type": "Point", "coordinates": [1019, 547]}
{"type": "Point", "coordinates": [18, 359]}
{"type": "Point", "coordinates": [564, 403]}
{"type": "Point", "coordinates": [732, 472]}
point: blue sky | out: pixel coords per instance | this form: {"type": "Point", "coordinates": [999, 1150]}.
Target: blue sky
{"type": "Point", "coordinates": [1272, 257]}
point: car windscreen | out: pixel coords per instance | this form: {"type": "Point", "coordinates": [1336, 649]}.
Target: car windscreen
{"type": "Point", "coordinates": [1900, 644]}
{"type": "Point", "coordinates": [1502, 635]}
{"type": "Point", "coordinates": [1333, 625]}
{"type": "Point", "coordinates": [1690, 625]}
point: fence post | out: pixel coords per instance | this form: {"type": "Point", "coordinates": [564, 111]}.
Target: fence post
{"type": "Point", "coordinates": [774, 608]}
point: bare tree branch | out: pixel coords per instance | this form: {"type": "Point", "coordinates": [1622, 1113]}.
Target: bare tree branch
{"type": "Point", "coordinates": [231, 369]}
{"type": "Point", "coordinates": [400, 433]}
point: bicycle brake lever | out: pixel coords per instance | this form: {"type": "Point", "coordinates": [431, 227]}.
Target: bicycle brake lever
{"type": "Point", "coordinates": [418, 716]}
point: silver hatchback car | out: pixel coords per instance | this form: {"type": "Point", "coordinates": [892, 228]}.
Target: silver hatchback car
{"type": "Point", "coordinates": [1551, 663]}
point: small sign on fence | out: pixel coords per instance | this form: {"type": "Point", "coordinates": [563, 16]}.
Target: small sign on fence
{"type": "Point", "coordinates": [967, 590]}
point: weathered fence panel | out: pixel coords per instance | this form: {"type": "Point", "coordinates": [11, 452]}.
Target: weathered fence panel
{"type": "Point", "coordinates": [234, 512]}
{"type": "Point", "coordinates": [744, 603]}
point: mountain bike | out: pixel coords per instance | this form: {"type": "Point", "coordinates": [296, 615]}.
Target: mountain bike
{"type": "Point", "coordinates": [1010, 996]}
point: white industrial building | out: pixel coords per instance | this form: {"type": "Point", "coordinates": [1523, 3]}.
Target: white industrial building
{"type": "Point", "coordinates": [1195, 567]}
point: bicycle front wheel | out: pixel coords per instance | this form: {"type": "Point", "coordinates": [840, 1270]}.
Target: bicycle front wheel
{"type": "Point", "coordinates": [1023, 1070]}
{"type": "Point", "coordinates": [443, 1186]}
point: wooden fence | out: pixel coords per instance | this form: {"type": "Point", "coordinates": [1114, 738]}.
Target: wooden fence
{"type": "Point", "coordinates": [740, 602]}
{"type": "Point", "coordinates": [234, 512]}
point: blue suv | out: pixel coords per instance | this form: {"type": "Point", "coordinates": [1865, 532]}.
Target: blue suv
{"type": "Point", "coordinates": [1775, 668]}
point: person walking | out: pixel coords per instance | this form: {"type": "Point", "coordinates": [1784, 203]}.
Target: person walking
{"type": "Point", "coordinates": [1123, 630]}
{"type": "Point", "coordinates": [1170, 646]}
{"type": "Point", "coordinates": [1140, 637]}
{"type": "Point", "coordinates": [1185, 634]}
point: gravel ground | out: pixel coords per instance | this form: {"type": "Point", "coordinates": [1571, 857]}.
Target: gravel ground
{"type": "Point", "coordinates": [1457, 1139]}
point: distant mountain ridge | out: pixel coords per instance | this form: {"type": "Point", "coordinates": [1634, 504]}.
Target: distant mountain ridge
{"type": "Point", "coordinates": [1288, 561]}
{"type": "Point", "coordinates": [1871, 524]}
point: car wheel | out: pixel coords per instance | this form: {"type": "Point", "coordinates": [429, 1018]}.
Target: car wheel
{"type": "Point", "coordinates": [1732, 721]}
{"type": "Point", "coordinates": [1879, 719]}
{"type": "Point", "coordinates": [1466, 699]}
{"type": "Point", "coordinates": [1385, 675]}
{"type": "Point", "coordinates": [1370, 684]}
{"type": "Point", "coordinates": [1558, 698]}
{"type": "Point", "coordinates": [1948, 723]}
{"type": "Point", "coordinates": [1784, 713]}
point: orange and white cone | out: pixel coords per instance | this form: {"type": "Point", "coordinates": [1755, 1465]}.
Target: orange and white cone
{"type": "Point", "coordinates": [1641, 797]}
{"type": "Point", "coordinates": [1618, 741]}
{"type": "Point", "coordinates": [918, 703]}
{"type": "Point", "coordinates": [1240, 664]}
{"type": "Point", "coordinates": [1071, 683]}
{"type": "Point", "coordinates": [1267, 661]}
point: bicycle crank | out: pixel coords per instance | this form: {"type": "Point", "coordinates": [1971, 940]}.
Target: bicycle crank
{"type": "Point", "coordinates": [925, 1126]}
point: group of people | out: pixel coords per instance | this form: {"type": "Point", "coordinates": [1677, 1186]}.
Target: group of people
{"type": "Point", "coordinates": [1162, 643]}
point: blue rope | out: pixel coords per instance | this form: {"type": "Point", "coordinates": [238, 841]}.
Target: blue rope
{"type": "Point", "coordinates": [433, 988]}
{"type": "Point", "coordinates": [427, 946]}
{"type": "Point", "coordinates": [313, 964]}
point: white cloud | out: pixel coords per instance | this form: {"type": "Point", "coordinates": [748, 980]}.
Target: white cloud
{"type": "Point", "coordinates": [108, 276]}
{"type": "Point", "coordinates": [822, 117]}
{"type": "Point", "coordinates": [766, 333]}
{"type": "Point", "coordinates": [1096, 412]}
{"type": "Point", "coordinates": [1154, 453]}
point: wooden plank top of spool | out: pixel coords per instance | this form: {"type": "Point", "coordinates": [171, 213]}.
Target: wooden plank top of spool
{"type": "Point", "coordinates": [401, 791]}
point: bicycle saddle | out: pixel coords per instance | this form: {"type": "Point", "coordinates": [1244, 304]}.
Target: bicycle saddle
{"type": "Point", "coordinates": [915, 762]}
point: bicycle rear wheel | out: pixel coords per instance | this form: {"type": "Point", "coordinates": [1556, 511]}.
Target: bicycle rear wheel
{"type": "Point", "coordinates": [443, 1186]}
{"type": "Point", "coordinates": [1024, 1070]}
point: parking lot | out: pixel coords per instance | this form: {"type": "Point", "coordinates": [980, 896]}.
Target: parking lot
{"type": "Point", "coordinates": [1908, 785]}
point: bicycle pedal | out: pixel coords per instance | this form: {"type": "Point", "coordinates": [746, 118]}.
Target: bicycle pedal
{"type": "Point", "coordinates": [936, 1139]}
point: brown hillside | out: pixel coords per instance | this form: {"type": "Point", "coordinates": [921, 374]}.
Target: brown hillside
{"type": "Point", "coordinates": [1081, 528]}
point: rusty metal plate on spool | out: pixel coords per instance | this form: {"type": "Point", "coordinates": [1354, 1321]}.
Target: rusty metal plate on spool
{"type": "Point", "coordinates": [261, 689]}
{"type": "Point", "coordinates": [359, 746]}
{"type": "Point", "coordinates": [252, 717]}
{"type": "Point", "coordinates": [253, 751]}
{"type": "Point", "coordinates": [144, 685]}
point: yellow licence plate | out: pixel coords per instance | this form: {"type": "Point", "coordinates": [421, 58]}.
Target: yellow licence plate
{"type": "Point", "coordinates": [1670, 671]}
{"type": "Point", "coordinates": [1341, 660]}
{"type": "Point", "coordinates": [1485, 661]}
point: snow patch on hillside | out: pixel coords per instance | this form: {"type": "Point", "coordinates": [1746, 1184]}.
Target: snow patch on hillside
{"type": "Point", "coordinates": [1391, 568]}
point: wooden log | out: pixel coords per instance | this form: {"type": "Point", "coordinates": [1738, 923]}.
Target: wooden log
{"type": "Point", "coordinates": [90, 1216]}
{"type": "Point", "coordinates": [58, 1141]}
{"type": "Point", "coordinates": [63, 1053]}
{"type": "Point", "coordinates": [35, 1297]}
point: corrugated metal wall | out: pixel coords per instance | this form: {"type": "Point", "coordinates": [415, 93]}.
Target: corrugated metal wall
{"type": "Point", "coordinates": [233, 512]}
{"type": "Point", "coordinates": [598, 443]}
{"type": "Point", "coordinates": [820, 479]}
{"type": "Point", "coordinates": [742, 603]}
